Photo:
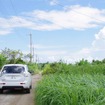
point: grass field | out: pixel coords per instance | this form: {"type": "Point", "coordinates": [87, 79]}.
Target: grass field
{"type": "Point", "coordinates": [76, 86]}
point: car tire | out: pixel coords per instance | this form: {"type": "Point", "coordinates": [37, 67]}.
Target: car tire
{"type": "Point", "coordinates": [1, 91]}
{"type": "Point", "coordinates": [27, 90]}
{"type": "Point", "coordinates": [31, 87]}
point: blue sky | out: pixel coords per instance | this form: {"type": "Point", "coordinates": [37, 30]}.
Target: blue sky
{"type": "Point", "coordinates": [61, 29]}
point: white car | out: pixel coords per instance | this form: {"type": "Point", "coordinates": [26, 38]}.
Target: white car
{"type": "Point", "coordinates": [14, 76]}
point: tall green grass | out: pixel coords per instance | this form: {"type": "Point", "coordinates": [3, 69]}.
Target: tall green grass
{"type": "Point", "coordinates": [67, 84]}
{"type": "Point", "coordinates": [74, 69]}
{"type": "Point", "coordinates": [70, 89]}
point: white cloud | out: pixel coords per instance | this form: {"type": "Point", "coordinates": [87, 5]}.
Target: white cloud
{"type": "Point", "coordinates": [65, 55]}
{"type": "Point", "coordinates": [40, 46]}
{"type": "Point", "coordinates": [97, 49]}
{"type": "Point", "coordinates": [100, 35]}
{"type": "Point", "coordinates": [49, 59]}
{"type": "Point", "coordinates": [53, 2]}
{"type": "Point", "coordinates": [4, 27]}
{"type": "Point", "coordinates": [51, 52]}
{"type": "Point", "coordinates": [78, 55]}
{"type": "Point", "coordinates": [74, 17]}
{"type": "Point", "coordinates": [99, 42]}
{"type": "Point", "coordinates": [5, 32]}
{"type": "Point", "coordinates": [75, 58]}
{"type": "Point", "coordinates": [48, 55]}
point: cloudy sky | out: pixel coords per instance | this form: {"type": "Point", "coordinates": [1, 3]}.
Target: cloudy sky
{"type": "Point", "coordinates": [61, 29]}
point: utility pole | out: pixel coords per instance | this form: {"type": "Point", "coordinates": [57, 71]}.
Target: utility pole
{"type": "Point", "coordinates": [33, 53]}
{"type": "Point", "coordinates": [36, 58]}
{"type": "Point", "coordinates": [30, 48]}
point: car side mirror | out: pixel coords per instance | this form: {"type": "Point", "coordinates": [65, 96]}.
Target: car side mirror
{"type": "Point", "coordinates": [31, 72]}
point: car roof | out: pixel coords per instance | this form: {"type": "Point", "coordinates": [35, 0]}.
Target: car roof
{"type": "Point", "coordinates": [15, 65]}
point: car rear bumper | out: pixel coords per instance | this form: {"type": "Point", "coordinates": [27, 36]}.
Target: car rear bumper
{"type": "Point", "coordinates": [13, 85]}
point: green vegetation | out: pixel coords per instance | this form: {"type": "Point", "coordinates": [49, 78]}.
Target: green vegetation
{"type": "Point", "coordinates": [74, 69]}
{"type": "Point", "coordinates": [8, 56]}
{"type": "Point", "coordinates": [2, 60]}
{"type": "Point", "coordinates": [82, 83]}
{"type": "Point", "coordinates": [71, 90]}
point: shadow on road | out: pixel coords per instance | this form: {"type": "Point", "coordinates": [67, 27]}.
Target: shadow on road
{"type": "Point", "coordinates": [13, 92]}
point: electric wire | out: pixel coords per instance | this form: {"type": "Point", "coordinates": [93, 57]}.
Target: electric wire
{"type": "Point", "coordinates": [57, 3]}
{"type": "Point", "coordinates": [31, 46]}
{"type": "Point", "coordinates": [11, 22]}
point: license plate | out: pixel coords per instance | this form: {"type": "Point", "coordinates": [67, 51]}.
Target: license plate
{"type": "Point", "coordinates": [13, 77]}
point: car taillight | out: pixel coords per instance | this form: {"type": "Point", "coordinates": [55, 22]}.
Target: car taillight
{"type": "Point", "coordinates": [22, 83]}
{"type": "Point", "coordinates": [2, 83]}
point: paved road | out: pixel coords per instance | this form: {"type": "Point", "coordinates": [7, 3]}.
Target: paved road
{"type": "Point", "coordinates": [18, 97]}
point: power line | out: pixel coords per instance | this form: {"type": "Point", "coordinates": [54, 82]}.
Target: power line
{"type": "Point", "coordinates": [10, 21]}
{"type": "Point", "coordinates": [13, 7]}
{"type": "Point", "coordinates": [14, 10]}
{"type": "Point", "coordinates": [79, 12]}
{"type": "Point", "coordinates": [20, 34]}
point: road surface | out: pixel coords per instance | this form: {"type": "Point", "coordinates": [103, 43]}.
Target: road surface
{"type": "Point", "coordinates": [18, 97]}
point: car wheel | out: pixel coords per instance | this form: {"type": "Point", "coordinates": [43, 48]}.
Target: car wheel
{"type": "Point", "coordinates": [1, 91]}
{"type": "Point", "coordinates": [31, 87]}
{"type": "Point", "coordinates": [28, 90]}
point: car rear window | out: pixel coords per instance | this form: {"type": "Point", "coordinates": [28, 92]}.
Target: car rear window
{"type": "Point", "coordinates": [13, 69]}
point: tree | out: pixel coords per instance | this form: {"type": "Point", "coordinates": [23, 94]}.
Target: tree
{"type": "Point", "coordinates": [2, 60]}
{"type": "Point", "coordinates": [12, 55]}
{"type": "Point", "coordinates": [97, 62]}
{"type": "Point", "coordinates": [82, 62]}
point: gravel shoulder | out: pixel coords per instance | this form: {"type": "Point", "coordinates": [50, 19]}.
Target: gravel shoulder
{"type": "Point", "coordinates": [18, 97]}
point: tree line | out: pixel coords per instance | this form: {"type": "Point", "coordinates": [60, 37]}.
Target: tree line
{"type": "Point", "coordinates": [9, 56]}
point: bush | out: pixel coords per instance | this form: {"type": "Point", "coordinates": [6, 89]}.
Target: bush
{"type": "Point", "coordinates": [74, 69]}
{"type": "Point", "coordinates": [50, 68]}
{"type": "Point", "coordinates": [33, 68]}
{"type": "Point", "coordinates": [3, 60]}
